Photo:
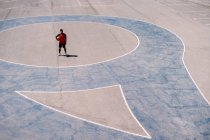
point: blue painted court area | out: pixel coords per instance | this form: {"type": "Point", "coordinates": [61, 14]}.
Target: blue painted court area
{"type": "Point", "coordinates": [156, 85]}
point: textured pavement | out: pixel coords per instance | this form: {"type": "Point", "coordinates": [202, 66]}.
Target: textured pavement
{"type": "Point", "coordinates": [156, 85]}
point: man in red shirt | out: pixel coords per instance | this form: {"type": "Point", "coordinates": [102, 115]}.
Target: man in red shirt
{"type": "Point", "coordinates": [62, 41]}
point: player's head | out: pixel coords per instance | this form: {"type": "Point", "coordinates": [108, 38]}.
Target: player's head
{"type": "Point", "coordinates": [61, 30]}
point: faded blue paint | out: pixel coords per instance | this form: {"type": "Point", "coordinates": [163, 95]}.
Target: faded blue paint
{"type": "Point", "coordinates": [155, 82]}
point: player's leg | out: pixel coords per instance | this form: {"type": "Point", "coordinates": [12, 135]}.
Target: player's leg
{"type": "Point", "coordinates": [60, 45]}
{"type": "Point", "coordinates": [64, 47]}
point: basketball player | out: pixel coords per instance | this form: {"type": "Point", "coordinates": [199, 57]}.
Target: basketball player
{"type": "Point", "coordinates": [62, 41]}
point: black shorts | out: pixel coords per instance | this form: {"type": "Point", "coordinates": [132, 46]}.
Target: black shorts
{"type": "Point", "coordinates": [62, 45]}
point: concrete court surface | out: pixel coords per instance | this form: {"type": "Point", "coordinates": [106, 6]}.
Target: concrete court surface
{"type": "Point", "coordinates": [161, 94]}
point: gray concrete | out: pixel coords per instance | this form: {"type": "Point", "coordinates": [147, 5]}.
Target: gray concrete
{"type": "Point", "coordinates": [157, 87]}
{"type": "Point", "coordinates": [155, 82]}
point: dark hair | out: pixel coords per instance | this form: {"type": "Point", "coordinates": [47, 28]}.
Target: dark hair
{"type": "Point", "coordinates": [61, 30]}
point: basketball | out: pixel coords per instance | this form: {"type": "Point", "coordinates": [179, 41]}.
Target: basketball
{"type": "Point", "coordinates": [57, 38]}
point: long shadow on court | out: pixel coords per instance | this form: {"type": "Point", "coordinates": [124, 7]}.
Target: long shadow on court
{"type": "Point", "coordinates": [68, 55]}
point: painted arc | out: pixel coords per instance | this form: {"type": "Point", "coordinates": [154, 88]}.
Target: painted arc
{"type": "Point", "coordinates": [102, 106]}
{"type": "Point", "coordinates": [91, 43]}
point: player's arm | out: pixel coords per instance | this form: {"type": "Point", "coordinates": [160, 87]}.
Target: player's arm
{"type": "Point", "coordinates": [57, 36]}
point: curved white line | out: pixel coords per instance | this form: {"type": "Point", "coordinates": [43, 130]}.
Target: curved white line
{"type": "Point", "coordinates": [208, 102]}
{"type": "Point", "coordinates": [103, 61]}
{"type": "Point", "coordinates": [132, 112]}
{"type": "Point", "coordinates": [148, 136]}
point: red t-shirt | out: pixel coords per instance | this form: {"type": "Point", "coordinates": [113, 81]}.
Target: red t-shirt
{"type": "Point", "coordinates": [62, 38]}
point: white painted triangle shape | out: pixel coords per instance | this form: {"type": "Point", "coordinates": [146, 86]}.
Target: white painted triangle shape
{"type": "Point", "coordinates": [102, 106]}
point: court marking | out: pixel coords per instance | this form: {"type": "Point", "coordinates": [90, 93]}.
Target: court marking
{"type": "Point", "coordinates": [8, 0]}
{"type": "Point", "coordinates": [200, 18]}
{"type": "Point", "coordinates": [97, 5]}
{"type": "Point", "coordinates": [79, 118]}
{"type": "Point", "coordinates": [78, 1]}
{"type": "Point", "coordinates": [196, 12]}
{"type": "Point", "coordinates": [200, 91]}
{"type": "Point", "coordinates": [106, 24]}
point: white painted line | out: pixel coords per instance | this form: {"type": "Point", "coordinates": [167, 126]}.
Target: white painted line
{"type": "Point", "coordinates": [132, 112]}
{"type": "Point", "coordinates": [71, 6]}
{"type": "Point", "coordinates": [196, 11]}
{"type": "Point", "coordinates": [188, 70]}
{"type": "Point", "coordinates": [204, 14]}
{"type": "Point", "coordinates": [69, 91]}
{"type": "Point", "coordinates": [114, 58]}
{"type": "Point", "coordinates": [9, 1]}
{"type": "Point", "coordinates": [98, 5]}
{"type": "Point", "coordinates": [180, 4]}
{"type": "Point", "coordinates": [9, 8]}
{"type": "Point", "coordinates": [200, 18]}
{"type": "Point", "coordinates": [148, 136]}
{"type": "Point", "coordinates": [78, 1]}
